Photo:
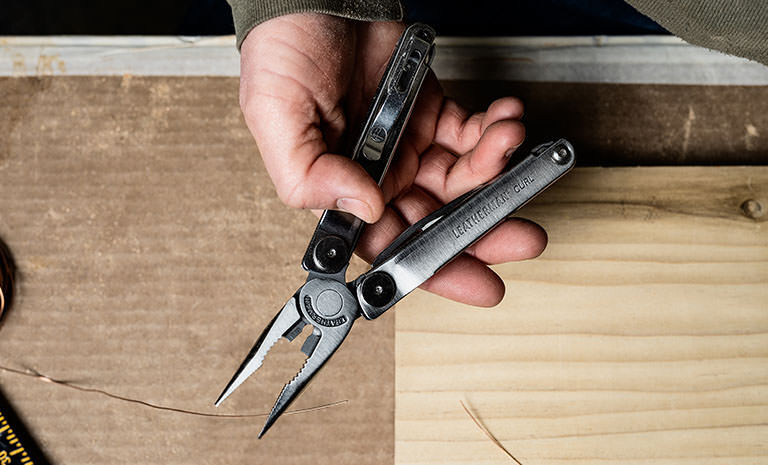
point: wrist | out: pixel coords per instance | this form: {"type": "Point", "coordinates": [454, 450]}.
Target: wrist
{"type": "Point", "coordinates": [248, 14]}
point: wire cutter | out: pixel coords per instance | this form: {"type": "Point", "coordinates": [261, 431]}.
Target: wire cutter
{"type": "Point", "coordinates": [329, 303]}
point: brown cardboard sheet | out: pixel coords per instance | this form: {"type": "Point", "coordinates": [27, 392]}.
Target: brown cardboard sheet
{"type": "Point", "coordinates": [152, 250]}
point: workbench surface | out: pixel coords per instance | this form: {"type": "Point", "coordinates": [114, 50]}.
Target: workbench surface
{"type": "Point", "coordinates": [152, 249]}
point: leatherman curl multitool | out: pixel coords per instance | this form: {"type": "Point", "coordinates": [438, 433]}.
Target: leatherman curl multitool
{"type": "Point", "coordinates": [330, 304]}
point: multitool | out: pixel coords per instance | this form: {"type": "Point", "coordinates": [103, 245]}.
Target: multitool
{"type": "Point", "coordinates": [330, 304]}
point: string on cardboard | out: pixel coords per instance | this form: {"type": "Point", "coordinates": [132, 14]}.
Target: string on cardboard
{"type": "Point", "coordinates": [31, 373]}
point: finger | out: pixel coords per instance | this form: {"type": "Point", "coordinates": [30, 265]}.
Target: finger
{"type": "Point", "coordinates": [467, 280]}
{"type": "Point", "coordinates": [514, 239]}
{"type": "Point", "coordinates": [331, 182]}
{"type": "Point", "coordinates": [434, 166]}
{"type": "Point", "coordinates": [379, 235]}
{"type": "Point", "coordinates": [446, 177]}
{"type": "Point", "coordinates": [487, 159]}
{"type": "Point", "coordinates": [415, 204]}
{"type": "Point", "coordinates": [459, 131]}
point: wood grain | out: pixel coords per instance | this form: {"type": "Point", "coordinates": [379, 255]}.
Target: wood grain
{"type": "Point", "coordinates": [638, 124]}
{"type": "Point", "coordinates": [640, 336]}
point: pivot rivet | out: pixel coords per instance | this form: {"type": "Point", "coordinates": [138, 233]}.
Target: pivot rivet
{"type": "Point", "coordinates": [330, 254]}
{"type": "Point", "coordinates": [560, 155]}
{"type": "Point", "coordinates": [378, 289]}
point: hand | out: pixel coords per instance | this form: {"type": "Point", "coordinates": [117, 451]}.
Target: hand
{"type": "Point", "coordinates": [307, 78]}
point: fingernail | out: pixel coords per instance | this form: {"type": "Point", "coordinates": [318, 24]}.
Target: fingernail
{"type": "Point", "coordinates": [509, 152]}
{"type": "Point", "coordinates": [356, 207]}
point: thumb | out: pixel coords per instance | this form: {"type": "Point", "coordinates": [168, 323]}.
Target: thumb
{"type": "Point", "coordinates": [331, 182]}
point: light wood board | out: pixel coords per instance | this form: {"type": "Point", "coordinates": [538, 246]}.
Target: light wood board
{"type": "Point", "coordinates": [640, 336]}
{"type": "Point", "coordinates": [607, 59]}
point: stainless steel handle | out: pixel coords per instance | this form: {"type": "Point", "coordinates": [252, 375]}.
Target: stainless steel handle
{"type": "Point", "coordinates": [433, 244]}
{"type": "Point", "coordinates": [337, 233]}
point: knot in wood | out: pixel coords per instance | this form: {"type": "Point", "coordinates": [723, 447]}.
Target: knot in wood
{"type": "Point", "coordinates": [752, 209]}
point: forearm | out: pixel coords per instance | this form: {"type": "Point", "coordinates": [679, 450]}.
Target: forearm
{"type": "Point", "coordinates": [249, 13]}
{"type": "Point", "coordinates": [736, 28]}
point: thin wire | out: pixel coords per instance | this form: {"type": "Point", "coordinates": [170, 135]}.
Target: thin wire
{"type": "Point", "coordinates": [37, 375]}
{"type": "Point", "coordinates": [488, 433]}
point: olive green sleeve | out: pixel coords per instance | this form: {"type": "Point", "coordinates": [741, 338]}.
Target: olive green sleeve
{"type": "Point", "coordinates": [736, 28]}
{"type": "Point", "coordinates": [249, 13]}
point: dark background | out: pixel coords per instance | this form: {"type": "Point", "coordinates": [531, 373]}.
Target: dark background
{"type": "Point", "coordinates": [214, 17]}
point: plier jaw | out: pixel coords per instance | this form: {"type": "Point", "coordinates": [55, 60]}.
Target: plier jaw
{"type": "Point", "coordinates": [287, 323]}
{"type": "Point", "coordinates": [326, 305]}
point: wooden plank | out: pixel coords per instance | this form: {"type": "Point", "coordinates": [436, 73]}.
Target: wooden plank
{"type": "Point", "coordinates": [621, 59]}
{"type": "Point", "coordinates": [640, 336]}
{"type": "Point", "coordinates": [621, 100]}
{"type": "Point", "coordinates": [638, 124]}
